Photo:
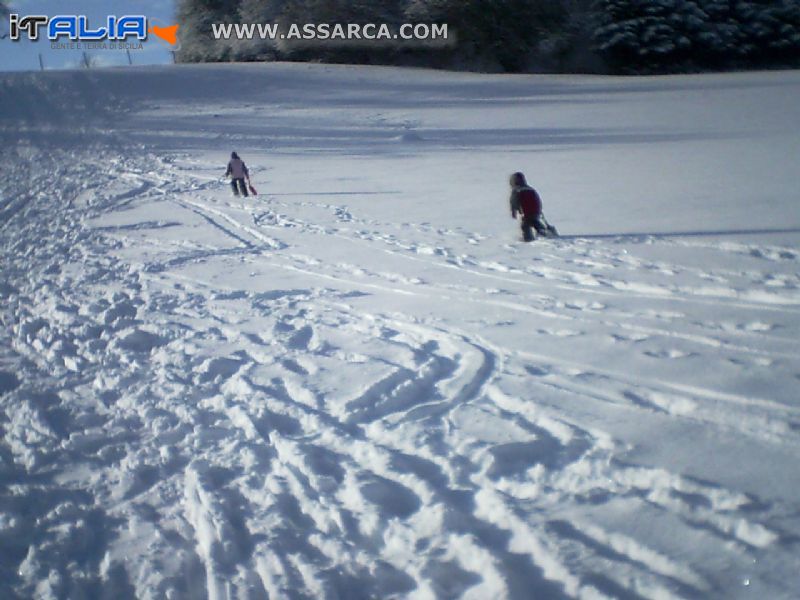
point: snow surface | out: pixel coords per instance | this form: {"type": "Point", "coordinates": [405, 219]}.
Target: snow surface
{"type": "Point", "coordinates": [361, 384]}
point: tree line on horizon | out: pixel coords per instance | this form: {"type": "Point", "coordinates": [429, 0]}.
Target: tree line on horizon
{"type": "Point", "coordinates": [517, 36]}
{"type": "Point", "coordinates": [596, 36]}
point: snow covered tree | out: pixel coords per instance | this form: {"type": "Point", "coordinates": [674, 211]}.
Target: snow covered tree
{"type": "Point", "coordinates": [343, 12]}
{"type": "Point", "coordinates": [771, 30]}
{"type": "Point", "coordinates": [673, 35]}
{"type": "Point", "coordinates": [258, 12]}
{"type": "Point", "coordinates": [492, 32]}
{"type": "Point", "coordinates": [196, 18]}
{"type": "Point", "coordinates": [518, 35]}
{"type": "Point", "coordinates": [641, 34]}
{"type": "Point", "coordinates": [261, 11]}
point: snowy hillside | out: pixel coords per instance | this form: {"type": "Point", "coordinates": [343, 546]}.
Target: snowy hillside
{"type": "Point", "coordinates": [361, 384]}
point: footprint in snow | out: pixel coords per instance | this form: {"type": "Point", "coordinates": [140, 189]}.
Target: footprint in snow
{"type": "Point", "coordinates": [218, 369]}
{"type": "Point", "coordinates": [562, 333]}
{"type": "Point", "coordinates": [141, 341]}
{"type": "Point", "coordinates": [671, 353]}
{"type": "Point", "coordinates": [392, 499]}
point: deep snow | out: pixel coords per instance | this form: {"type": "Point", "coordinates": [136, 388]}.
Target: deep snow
{"type": "Point", "coordinates": [360, 383]}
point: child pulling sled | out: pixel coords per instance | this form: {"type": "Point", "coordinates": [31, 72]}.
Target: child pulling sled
{"type": "Point", "coordinates": [238, 172]}
{"type": "Point", "coordinates": [527, 203]}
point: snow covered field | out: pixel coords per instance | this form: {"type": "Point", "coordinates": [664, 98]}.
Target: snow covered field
{"type": "Point", "coordinates": [361, 384]}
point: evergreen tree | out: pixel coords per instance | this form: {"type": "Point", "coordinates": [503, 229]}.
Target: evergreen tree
{"type": "Point", "coordinates": [505, 33]}
{"type": "Point", "coordinates": [258, 12]}
{"type": "Point", "coordinates": [679, 35]}
{"type": "Point", "coordinates": [261, 11]}
{"type": "Point", "coordinates": [196, 18]}
{"type": "Point", "coordinates": [342, 12]}
{"type": "Point", "coordinates": [518, 35]}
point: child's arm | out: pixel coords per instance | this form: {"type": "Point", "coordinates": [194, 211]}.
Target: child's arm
{"type": "Point", "coordinates": [514, 202]}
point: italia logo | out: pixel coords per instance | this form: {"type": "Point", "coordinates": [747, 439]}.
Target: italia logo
{"type": "Point", "coordinates": [76, 28]}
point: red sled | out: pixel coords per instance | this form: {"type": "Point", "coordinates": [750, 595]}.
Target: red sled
{"type": "Point", "coordinates": [252, 189]}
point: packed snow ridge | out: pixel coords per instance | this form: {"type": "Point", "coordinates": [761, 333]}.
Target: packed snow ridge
{"type": "Point", "coordinates": [361, 383]}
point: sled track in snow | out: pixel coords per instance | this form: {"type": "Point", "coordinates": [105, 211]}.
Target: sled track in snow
{"type": "Point", "coordinates": [562, 279]}
{"type": "Point", "coordinates": [443, 258]}
{"type": "Point", "coordinates": [660, 574]}
{"type": "Point", "coordinates": [290, 442]}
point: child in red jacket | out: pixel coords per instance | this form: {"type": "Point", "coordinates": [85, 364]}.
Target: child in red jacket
{"type": "Point", "coordinates": [527, 203]}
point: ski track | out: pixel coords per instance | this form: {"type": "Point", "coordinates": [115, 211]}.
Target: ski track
{"type": "Point", "coordinates": [345, 453]}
